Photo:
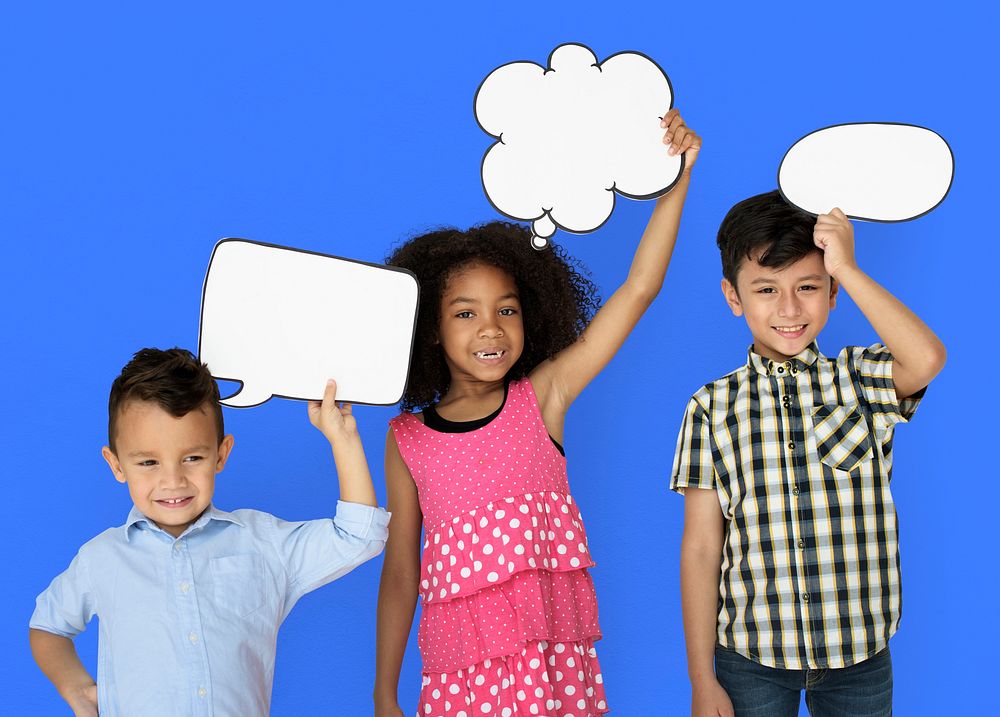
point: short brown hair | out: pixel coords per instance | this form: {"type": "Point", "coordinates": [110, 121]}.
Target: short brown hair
{"type": "Point", "coordinates": [767, 224]}
{"type": "Point", "coordinates": [173, 379]}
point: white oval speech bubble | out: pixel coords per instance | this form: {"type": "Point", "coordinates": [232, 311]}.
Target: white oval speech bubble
{"type": "Point", "coordinates": [572, 135]}
{"type": "Point", "coordinates": [281, 321]}
{"type": "Point", "coordinates": [875, 171]}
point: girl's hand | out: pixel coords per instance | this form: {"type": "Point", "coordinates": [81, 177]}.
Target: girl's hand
{"type": "Point", "coordinates": [334, 419]}
{"type": "Point", "coordinates": [834, 234]}
{"type": "Point", "coordinates": [680, 139]}
{"type": "Point", "coordinates": [384, 710]}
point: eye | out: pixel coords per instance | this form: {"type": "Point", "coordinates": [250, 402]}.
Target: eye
{"type": "Point", "coordinates": [766, 290]}
{"type": "Point", "coordinates": [808, 287]}
{"type": "Point", "coordinates": [148, 463]}
{"type": "Point", "coordinates": [508, 311]}
{"type": "Point", "coordinates": [464, 315]}
{"type": "Point", "coordinates": [193, 459]}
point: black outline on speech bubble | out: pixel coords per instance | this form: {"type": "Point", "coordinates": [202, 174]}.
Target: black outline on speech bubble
{"type": "Point", "coordinates": [201, 318]}
{"type": "Point", "coordinates": [868, 219]}
{"type": "Point", "coordinates": [613, 189]}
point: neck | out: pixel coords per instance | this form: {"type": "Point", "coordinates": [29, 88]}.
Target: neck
{"type": "Point", "coordinates": [470, 389]}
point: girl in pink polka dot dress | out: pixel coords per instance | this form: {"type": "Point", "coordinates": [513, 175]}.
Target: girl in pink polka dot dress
{"type": "Point", "coordinates": [502, 347]}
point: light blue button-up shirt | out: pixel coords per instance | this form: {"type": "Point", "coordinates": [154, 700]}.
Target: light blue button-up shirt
{"type": "Point", "coordinates": [188, 626]}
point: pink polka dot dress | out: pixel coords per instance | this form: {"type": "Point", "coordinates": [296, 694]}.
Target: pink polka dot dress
{"type": "Point", "coordinates": [509, 613]}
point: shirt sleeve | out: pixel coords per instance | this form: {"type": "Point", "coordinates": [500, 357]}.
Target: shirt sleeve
{"type": "Point", "coordinates": [871, 369]}
{"type": "Point", "coordinates": [67, 604]}
{"type": "Point", "coordinates": [316, 552]}
{"type": "Point", "coordinates": [694, 466]}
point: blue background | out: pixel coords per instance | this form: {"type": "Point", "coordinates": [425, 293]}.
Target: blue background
{"type": "Point", "coordinates": [134, 137]}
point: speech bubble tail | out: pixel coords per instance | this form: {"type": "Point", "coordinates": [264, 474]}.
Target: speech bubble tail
{"type": "Point", "coordinates": [541, 229]}
{"type": "Point", "coordinates": [244, 399]}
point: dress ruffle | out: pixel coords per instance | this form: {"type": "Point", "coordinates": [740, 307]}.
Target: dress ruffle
{"type": "Point", "coordinates": [489, 545]}
{"type": "Point", "coordinates": [544, 679]}
{"type": "Point", "coordinates": [502, 619]}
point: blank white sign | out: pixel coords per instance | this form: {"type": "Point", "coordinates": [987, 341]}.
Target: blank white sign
{"type": "Point", "coordinates": [874, 171]}
{"type": "Point", "coordinates": [282, 321]}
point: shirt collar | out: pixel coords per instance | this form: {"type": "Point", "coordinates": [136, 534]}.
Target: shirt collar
{"type": "Point", "coordinates": [800, 362]}
{"type": "Point", "coordinates": [136, 519]}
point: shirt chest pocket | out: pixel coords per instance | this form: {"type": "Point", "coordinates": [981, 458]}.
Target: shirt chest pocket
{"type": "Point", "coordinates": [842, 437]}
{"type": "Point", "coordinates": [238, 583]}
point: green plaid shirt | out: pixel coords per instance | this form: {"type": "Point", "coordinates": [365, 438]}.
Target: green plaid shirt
{"type": "Point", "coordinates": [800, 454]}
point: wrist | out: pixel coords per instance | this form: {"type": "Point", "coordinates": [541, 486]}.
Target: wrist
{"type": "Point", "coordinates": [846, 271]}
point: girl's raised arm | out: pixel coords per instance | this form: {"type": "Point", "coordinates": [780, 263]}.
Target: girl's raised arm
{"type": "Point", "coordinates": [559, 381]}
{"type": "Point", "coordinates": [397, 594]}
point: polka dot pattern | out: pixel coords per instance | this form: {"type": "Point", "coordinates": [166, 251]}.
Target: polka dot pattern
{"type": "Point", "coordinates": [534, 531]}
{"type": "Point", "coordinates": [509, 612]}
{"type": "Point", "coordinates": [544, 679]}
{"type": "Point", "coordinates": [499, 620]}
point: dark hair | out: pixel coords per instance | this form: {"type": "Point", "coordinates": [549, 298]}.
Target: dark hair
{"type": "Point", "coordinates": [766, 222]}
{"type": "Point", "coordinates": [558, 299]}
{"type": "Point", "coordinates": [174, 379]}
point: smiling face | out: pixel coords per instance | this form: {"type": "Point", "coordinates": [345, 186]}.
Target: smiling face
{"type": "Point", "coordinates": [785, 307]}
{"type": "Point", "coordinates": [480, 327]}
{"type": "Point", "coordinates": [168, 463]}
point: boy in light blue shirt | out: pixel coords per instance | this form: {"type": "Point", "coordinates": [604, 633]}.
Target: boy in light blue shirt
{"type": "Point", "coordinates": [190, 597]}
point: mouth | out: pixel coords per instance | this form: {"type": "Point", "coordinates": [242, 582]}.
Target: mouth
{"type": "Point", "coordinates": [791, 332]}
{"type": "Point", "coordinates": [174, 503]}
{"type": "Point", "coordinates": [490, 355]}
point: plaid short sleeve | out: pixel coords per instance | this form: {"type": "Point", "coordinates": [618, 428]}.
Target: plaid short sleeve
{"type": "Point", "coordinates": [694, 466]}
{"type": "Point", "coordinates": [871, 368]}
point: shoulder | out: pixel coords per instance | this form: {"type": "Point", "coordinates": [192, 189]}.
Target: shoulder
{"type": "Point", "coordinates": [103, 543]}
{"type": "Point", "coordinates": [730, 382]}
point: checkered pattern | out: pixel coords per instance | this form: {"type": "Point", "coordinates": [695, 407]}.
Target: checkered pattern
{"type": "Point", "coordinates": [800, 454]}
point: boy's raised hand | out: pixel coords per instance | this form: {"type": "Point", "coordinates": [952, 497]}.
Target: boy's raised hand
{"type": "Point", "coordinates": [679, 138]}
{"type": "Point", "coordinates": [335, 420]}
{"type": "Point", "coordinates": [834, 234]}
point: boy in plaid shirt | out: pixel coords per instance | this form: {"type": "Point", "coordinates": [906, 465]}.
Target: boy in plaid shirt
{"type": "Point", "coordinates": [789, 560]}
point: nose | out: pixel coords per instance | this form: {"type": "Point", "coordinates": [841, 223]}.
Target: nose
{"type": "Point", "coordinates": [789, 305]}
{"type": "Point", "coordinates": [490, 329]}
{"type": "Point", "coordinates": [173, 478]}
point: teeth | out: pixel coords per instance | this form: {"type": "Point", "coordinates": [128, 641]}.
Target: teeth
{"type": "Point", "coordinates": [489, 354]}
{"type": "Point", "coordinates": [173, 501]}
{"type": "Point", "coordinates": [790, 329]}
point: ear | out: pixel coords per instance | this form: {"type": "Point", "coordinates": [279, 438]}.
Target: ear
{"type": "Point", "coordinates": [834, 288]}
{"type": "Point", "coordinates": [225, 447]}
{"type": "Point", "coordinates": [732, 298]}
{"type": "Point", "coordinates": [113, 463]}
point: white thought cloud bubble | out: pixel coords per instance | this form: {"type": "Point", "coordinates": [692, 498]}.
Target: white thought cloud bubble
{"type": "Point", "coordinates": [282, 321]}
{"type": "Point", "coordinates": [572, 135]}
{"type": "Point", "coordinates": [874, 171]}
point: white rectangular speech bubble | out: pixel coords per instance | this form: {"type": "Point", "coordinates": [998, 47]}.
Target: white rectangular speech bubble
{"type": "Point", "coordinates": [281, 321]}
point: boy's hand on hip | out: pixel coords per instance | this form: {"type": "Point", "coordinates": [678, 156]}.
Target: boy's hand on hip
{"type": "Point", "coordinates": [709, 699]}
{"type": "Point", "coordinates": [335, 420]}
{"type": "Point", "coordinates": [680, 139]}
{"type": "Point", "coordinates": [84, 703]}
{"type": "Point", "coordinates": [834, 234]}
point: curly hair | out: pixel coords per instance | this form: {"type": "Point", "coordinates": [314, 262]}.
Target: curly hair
{"type": "Point", "coordinates": [558, 299]}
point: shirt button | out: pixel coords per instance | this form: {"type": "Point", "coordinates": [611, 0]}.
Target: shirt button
{"type": "Point", "coordinates": [805, 597]}
{"type": "Point", "coordinates": [791, 444]}
{"type": "Point", "coordinates": [177, 546]}
{"type": "Point", "coordinates": [185, 587]}
{"type": "Point", "coordinates": [202, 692]}
{"type": "Point", "coordinates": [781, 369]}
{"type": "Point", "coordinates": [193, 638]}
{"type": "Point", "coordinates": [795, 490]}
{"type": "Point", "coordinates": [802, 543]}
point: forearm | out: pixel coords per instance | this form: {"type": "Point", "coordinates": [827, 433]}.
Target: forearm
{"type": "Point", "coordinates": [352, 471]}
{"type": "Point", "coordinates": [913, 345]}
{"type": "Point", "coordinates": [57, 658]}
{"type": "Point", "coordinates": [397, 599]}
{"type": "Point", "coordinates": [649, 265]}
{"type": "Point", "coordinates": [700, 567]}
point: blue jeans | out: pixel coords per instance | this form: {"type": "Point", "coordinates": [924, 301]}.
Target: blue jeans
{"type": "Point", "coordinates": [861, 690]}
